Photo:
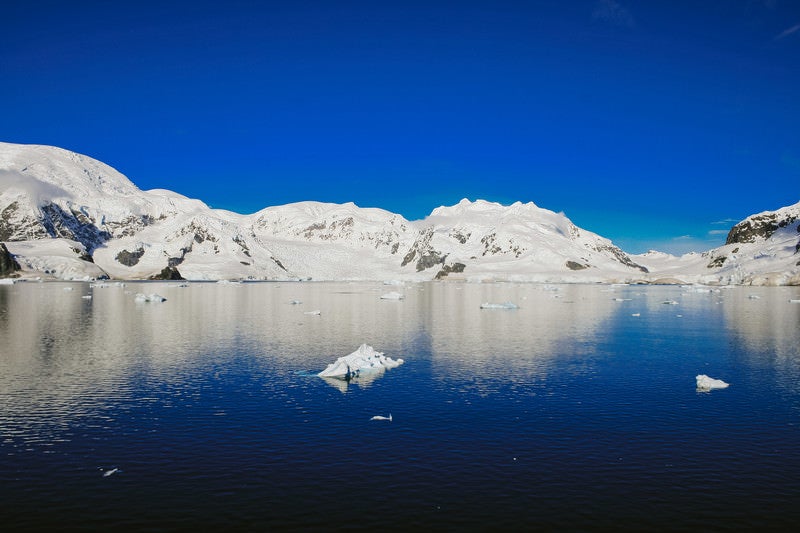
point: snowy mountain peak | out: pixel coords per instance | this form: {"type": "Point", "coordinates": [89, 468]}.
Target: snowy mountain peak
{"type": "Point", "coordinates": [76, 175]}
{"type": "Point", "coordinates": [481, 207]}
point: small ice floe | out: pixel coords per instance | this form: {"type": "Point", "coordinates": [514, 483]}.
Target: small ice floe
{"type": "Point", "coordinates": [7, 281]}
{"type": "Point", "coordinates": [507, 305]}
{"type": "Point", "coordinates": [379, 417]}
{"type": "Point", "coordinates": [111, 472]}
{"type": "Point", "coordinates": [392, 296]}
{"type": "Point", "coordinates": [705, 383]}
{"type": "Point", "coordinates": [149, 298]}
{"type": "Point", "coordinates": [669, 302]}
{"type": "Point", "coordinates": [315, 312]}
{"type": "Point", "coordinates": [365, 359]}
{"type": "Point", "coordinates": [295, 302]}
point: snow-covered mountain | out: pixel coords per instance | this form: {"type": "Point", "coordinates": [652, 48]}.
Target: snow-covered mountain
{"type": "Point", "coordinates": [71, 217]}
{"type": "Point", "coordinates": [763, 249]}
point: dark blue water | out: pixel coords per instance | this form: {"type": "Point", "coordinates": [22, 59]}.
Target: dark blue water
{"type": "Point", "coordinates": [569, 413]}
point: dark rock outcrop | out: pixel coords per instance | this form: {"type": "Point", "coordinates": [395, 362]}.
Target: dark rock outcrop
{"type": "Point", "coordinates": [621, 256]}
{"type": "Point", "coordinates": [449, 269]}
{"type": "Point", "coordinates": [129, 259]}
{"type": "Point", "coordinates": [168, 273]}
{"type": "Point", "coordinates": [8, 265]}
{"type": "Point", "coordinates": [758, 227]}
{"type": "Point", "coordinates": [424, 253]}
{"type": "Point", "coordinates": [574, 265]}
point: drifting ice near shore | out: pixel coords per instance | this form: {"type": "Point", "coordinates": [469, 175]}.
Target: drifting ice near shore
{"type": "Point", "coordinates": [150, 298]}
{"type": "Point", "coordinates": [507, 305]}
{"type": "Point", "coordinates": [705, 383]}
{"type": "Point", "coordinates": [364, 359]}
{"type": "Point", "coordinates": [392, 296]}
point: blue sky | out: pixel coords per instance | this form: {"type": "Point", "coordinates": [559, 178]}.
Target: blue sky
{"type": "Point", "coordinates": [653, 123]}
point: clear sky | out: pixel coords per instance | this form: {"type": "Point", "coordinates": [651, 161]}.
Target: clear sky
{"type": "Point", "coordinates": [653, 123]}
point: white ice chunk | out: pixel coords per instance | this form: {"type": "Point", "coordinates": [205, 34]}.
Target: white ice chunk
{"type": "Point", "coordinates": [149, 298]}
{"type": "Point", "coordinates": [392, 296]}
{"type": "Point", "coordinates": [705, 383]}
{"type": "Point", "coordinates": [507, 305]}
{"type": "Point", "coordinates": [365, 359]}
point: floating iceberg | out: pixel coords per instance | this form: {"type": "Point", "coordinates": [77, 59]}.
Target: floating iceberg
{"type": "Point", "coordinates": [111, 472]}
{"type": "Point", "coordinates": [705, 383]}
{"type": "Point", "coordinates": [392, 296]}
{"type": "Point", "coordinates": [365, 359]}
{"type": "Point", "coordinates": [149, 298]}
{"type": "Point", "coordinates": [507, 305]}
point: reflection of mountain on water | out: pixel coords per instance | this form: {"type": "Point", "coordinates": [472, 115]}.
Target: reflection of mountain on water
{"type": "Point", "coordinates": [510, 345]}
{"type": "Point", "coordinates": [767, 324]}
{"type": "Point", "coordinates": [62, 354]}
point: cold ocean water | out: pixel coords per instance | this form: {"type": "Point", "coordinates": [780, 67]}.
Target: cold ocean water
{"type": "Point", "coordinates": [577, 411]}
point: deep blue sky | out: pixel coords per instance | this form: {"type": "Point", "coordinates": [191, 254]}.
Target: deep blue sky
{"type": "Point", "coordinates": [653, 123]}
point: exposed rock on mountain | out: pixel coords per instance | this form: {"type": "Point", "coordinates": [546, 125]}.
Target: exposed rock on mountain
{"type": "Point", "coordinates": [8, 265]}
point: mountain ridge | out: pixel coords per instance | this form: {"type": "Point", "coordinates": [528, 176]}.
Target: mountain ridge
{"type": "Point", "coordinates": [67, 215]}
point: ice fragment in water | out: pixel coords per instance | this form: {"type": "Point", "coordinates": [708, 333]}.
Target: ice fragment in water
{"type": "Point", "coordinates": [149, 298]}
{"type": "Point", "coordinates": [507, 305]}
{"type": "Point", "coordinates": [705, 383]}
{"type": "Point", "coordinates": [365, 359]}
{"type": "Point", "coordinates": [392, 296]}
